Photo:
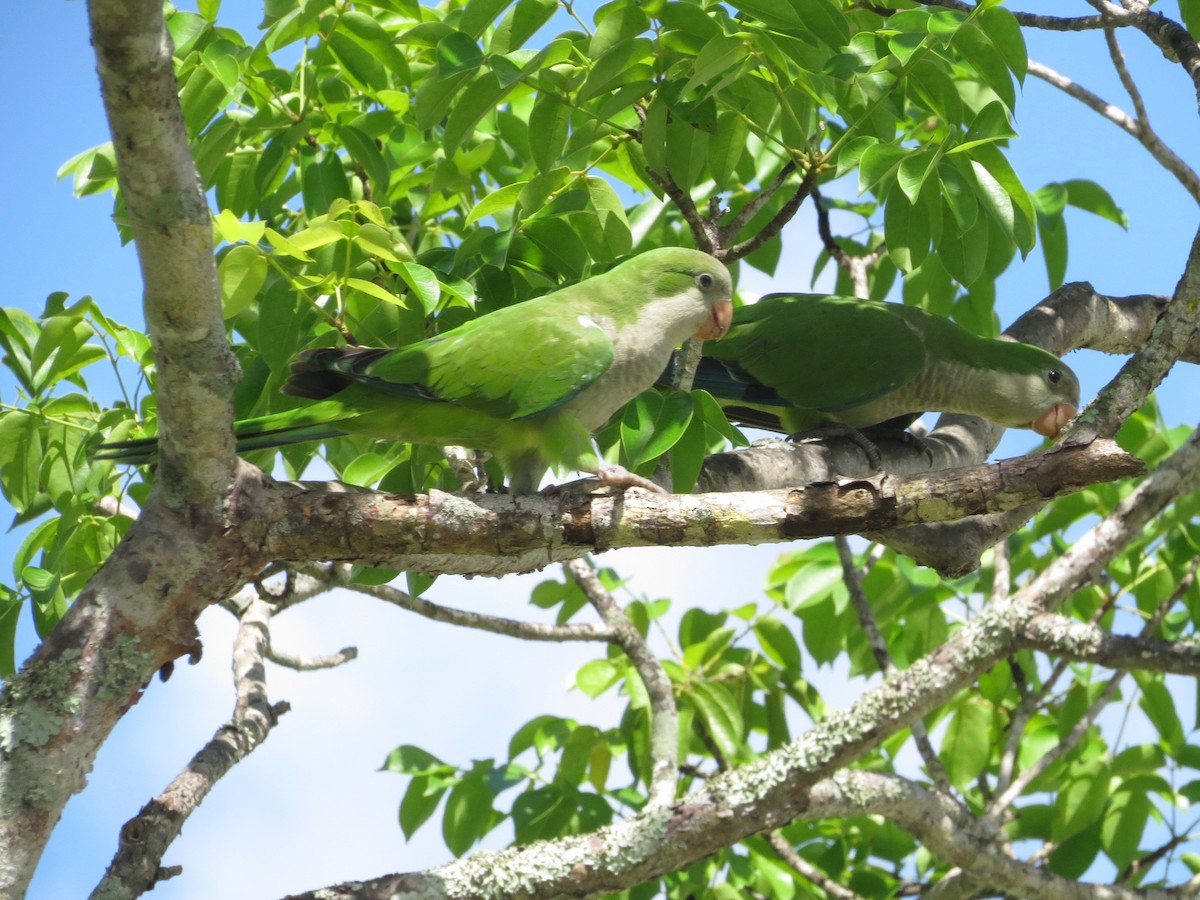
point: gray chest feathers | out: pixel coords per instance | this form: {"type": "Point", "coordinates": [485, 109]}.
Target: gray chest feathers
{"type": "Point", "coordinates": [640, 355]}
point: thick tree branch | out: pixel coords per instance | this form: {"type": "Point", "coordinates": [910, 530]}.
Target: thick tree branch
{"type": "Point", "coordinates": [1086, 642]}
{"type": "Point", "coordinates": [952, 833]}
{"type": "Point", "coordinates": [1174, 335]}
{"type": "Point", "coordinates": [664, 717]}
{"type": "Point", "coordinates": [172, 226]}
{"type": "Point", "coordinates": [495, 534]}
{"type": "Point", "coordinates": [145, 838]}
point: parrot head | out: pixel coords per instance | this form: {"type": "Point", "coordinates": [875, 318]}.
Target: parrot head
{"type": "Point", "coordinates": [691, 286]}
{"type": "Point", "coordinates": [1038, 391]}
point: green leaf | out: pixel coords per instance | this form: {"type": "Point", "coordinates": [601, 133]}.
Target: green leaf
{"type": "Point", "coordinates": [1123, 825]}
{"type": "Point", "coordinates": [364, 152]}
{"type": "Point", "coordinates": [457, 52]}
{"type": "Point", "coordinates": [652, 423]}
{"type": "Point", "coordinates": [543, 813]}
{"type": "Point", "coordinates": [977, 49]}
{"type": "Point", "coordinates": [913, 172]}
{"type": "Point", "coordinates": [1190, 12]}
{"type": "Point", "coordinates": [968, 742]}
{"type": "Point", "coordinates": [10, 611]}
{"type": "Point", "coordinates": [596, 677]}
{"type": "Point", "coordinates": [1159, 706]}
{"type": "Point", "coordinates": [322, 181]}
{"type": "Point", "coordinates": [521, 23]}
{"type": "Point", "coordinates": [720, 715]}
{"type": "Point", "coordinates": [778, 643]}
{"type": "Point", "coordinates": [420, 800]}
{"type": "Point", "coordinates": [242, 272]}
{"type": "Point", "coordinates": [963, 251]}
{"type": "Point", "coordinates": [989, 125]}
{"type": "Point", "coordinates": [1081, 799]}
{"type": "Point", "coordinates": [906, 229]}
{"type": "Point", "coordinates": [615, 24]}
{"type": "Point", "coordinates": [1089, 196]}
{"type": "Point", "coordinates": [877, 162]}
{"type": "Point", "coordinates": [615, 68]}
{"type": "Point", "coordinates": [812, 584]}
{"type": "Point", "coordinates": [423, 283]}
{"type": "Point", "coordinates": [609, 215]}
{"type": "Point", "coordinates": [479, 15]}
{"type": "Point", "coordinates": [549, 125]}
{"type": "Point", "coordinates": [726, 147]}
{"type": "Point", "coordinates": [468, 814]}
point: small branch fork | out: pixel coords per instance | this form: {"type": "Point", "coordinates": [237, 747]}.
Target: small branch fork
{"type": "Point", "coordinates": [714, 238]}
{"type": "Point", "coordinates": [136, 868]}
{"type": "Point", "coordinates": [137, 865]}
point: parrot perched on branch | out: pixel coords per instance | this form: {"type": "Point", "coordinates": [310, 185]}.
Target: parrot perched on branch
{"type": "Point", "coordinates": [530, 382]}
{"type": "Point", "coordinates": [798, 363]}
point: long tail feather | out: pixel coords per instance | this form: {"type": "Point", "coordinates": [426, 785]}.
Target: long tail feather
{"type": "Point", "coordinates": [249, 438]}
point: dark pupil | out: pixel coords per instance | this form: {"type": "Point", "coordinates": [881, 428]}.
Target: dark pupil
{"type": "Point", "coordinates": [1054, 376]}
{"type": "Point", "coordinates": [705, 281]}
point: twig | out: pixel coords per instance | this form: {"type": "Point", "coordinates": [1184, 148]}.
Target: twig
{"type": "Point", "coordinates": [311, 663]}
{"type": "Point", "coordinates": [856, 266]}
{"type": "Point", "coordinates": [136, 867]}
{"type": "Point", "coordinates": [781, 218]}
{"type": "Point", "coordinates": [528, 631]}
{"type": "Point", "coordinates": [1139, 128]}
{"type": "Point", "coordinates": [462, 464]}
{"type": "Point", "coordinates": [1118, 61]}
{"type": "Point", "coordinates": [664, 718]}
{"type": "Point", "coordinates": [1032, 20]}
{"type": "Point", "coordinates": [701, 228]}
{"type": "Point", "coordinates": [806, 869]}
{"type": "Point", "coordinates": [866, 618]}
{"type": "Point", "coordinates": [757, 202]}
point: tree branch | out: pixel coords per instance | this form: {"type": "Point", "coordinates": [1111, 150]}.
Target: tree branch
{"type": "Point", "coordinates": [664, 717]}
{"type": "Point", "coordinates": [526, 631]}
{"type": "Point", "coordinates": [1139, 128]}
{"type": "Point", "coordinates": [172, 226]}
{"type": "Point", "coordinates": [491, 534]}
{"type": "Point", "coordinates": [145, 838]}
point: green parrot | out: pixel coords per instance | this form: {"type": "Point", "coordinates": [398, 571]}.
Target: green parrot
{"type": "Point", "coordinates": [530, 382]}
{"type": "Point", "coordinates": [798, 363]}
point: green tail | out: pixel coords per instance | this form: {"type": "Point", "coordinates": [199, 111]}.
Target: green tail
{"type": "Point", "coordinates": [279, 430]}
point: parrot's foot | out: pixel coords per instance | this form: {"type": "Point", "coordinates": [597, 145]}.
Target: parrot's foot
{"type": "Point", "coordinates": [837, 430]}
{"type": "Point", "coordinates": [620, 477]}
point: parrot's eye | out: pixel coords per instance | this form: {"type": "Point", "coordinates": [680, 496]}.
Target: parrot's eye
{"type": "Point", "coordinates": [1054, 376]}
{"type": "Point", "coordinates": [704, 280]}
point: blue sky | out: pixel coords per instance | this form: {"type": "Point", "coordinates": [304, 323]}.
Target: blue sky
{"type": "Point", "coordinates": [309, 808]}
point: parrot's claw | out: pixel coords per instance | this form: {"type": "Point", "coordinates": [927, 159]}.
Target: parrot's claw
{"type": "Point", "coordinates": [620, 477]}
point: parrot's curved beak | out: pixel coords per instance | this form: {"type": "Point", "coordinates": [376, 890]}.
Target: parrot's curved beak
{"type": "Point", "coordinates": [1051, 422]}
{"type": "Point", "coordinates": [718, 322]}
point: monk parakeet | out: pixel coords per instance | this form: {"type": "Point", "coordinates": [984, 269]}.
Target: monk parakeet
{"type": "Point", "coordinates": [796, 362]}
{"type": "Point", "coordinates": [530, 382]}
